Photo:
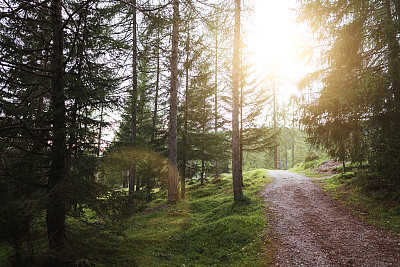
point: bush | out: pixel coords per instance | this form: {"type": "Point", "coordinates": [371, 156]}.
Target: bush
{"type": "Point", "coordinates": [312, 155]}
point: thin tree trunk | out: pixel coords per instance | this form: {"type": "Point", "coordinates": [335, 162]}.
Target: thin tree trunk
{"type": "Point", "coordinates": [293, 133]}
{"type": "Point", "coordinates": [173, 182]}
{"type": "Point", "coordinates": [202, 173]}
{"type": "Point", "coordinates": [280, 160]}
{"type": "Point", "coordinates": [157, 89]}
{"type": "Point", "coordinates": [56, 206]}
{"type": "Point", "coordinates": [286, 157]}
{"type": "Point", "coordinates": [236, 175]}
{"type": "Point", "coordinates": [274, 99]}
{"type": "Point", "coordinates": [216, 95]}
{"type": "Point", "coordinates": [293, 152]}
{"type": "Point", "coordinates": [185, 127]}
{"type": "Point", "coordinates": [42, 89]}
{"type": "Point", "coordinates": [100, 128]}
{"type": "Point", "coordinates": [241, 117]}
{"type": "Point", "coordinates": [137, 181]}
{"type": "Point", "coordinates": [190, 169]}
{"type": "Point", "coordinates": [132, 169]}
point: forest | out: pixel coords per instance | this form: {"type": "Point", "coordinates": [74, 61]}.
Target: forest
{"type": "Point", "coordinates": [134, 132]}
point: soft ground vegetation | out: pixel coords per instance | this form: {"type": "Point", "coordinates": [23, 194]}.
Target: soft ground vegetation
{"type": "Point", "coordinates": [310, 162]}
{"type": "Point", "coordinates": [208, 228]}
{"type": "Point", "coordinates": [376, 202]}
{"type": "Point", "coordinates": [367, 194]}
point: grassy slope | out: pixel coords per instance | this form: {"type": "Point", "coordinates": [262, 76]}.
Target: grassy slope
{"type": "Point", "coordinates": [365, 197]}
{"type": "Point", "coordinates": [306, 167]}
{"type": "Point", "coordinates": [374, 204]}
{"type": "Point", "coordinates": [207, 229]}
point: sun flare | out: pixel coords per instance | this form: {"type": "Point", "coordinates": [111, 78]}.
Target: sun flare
{"type": "Point", "coordinates": [275, 39]}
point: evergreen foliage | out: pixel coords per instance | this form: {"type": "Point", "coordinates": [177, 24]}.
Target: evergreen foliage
{"type": "Point", "coordinates": [66, 65]}
{"type": "Point", "coordinates": [55, 77]}
{"type": "Point", "coordinates": [356, 115]}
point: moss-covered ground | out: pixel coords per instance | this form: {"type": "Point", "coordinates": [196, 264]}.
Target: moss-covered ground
{"type": "Point", "coordinates": [206, 229]}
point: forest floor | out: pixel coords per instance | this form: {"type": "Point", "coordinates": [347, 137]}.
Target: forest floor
{"type": "Point", "coordinates": [312, 229]}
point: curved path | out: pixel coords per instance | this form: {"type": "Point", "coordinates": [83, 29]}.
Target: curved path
{"type": "Point", "coordinates": [312, 230]}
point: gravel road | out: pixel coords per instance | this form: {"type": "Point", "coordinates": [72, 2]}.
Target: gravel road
{"type": "Point", "coordinates": [310, 229]}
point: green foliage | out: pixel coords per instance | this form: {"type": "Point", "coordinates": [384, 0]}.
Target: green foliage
{"type": "Point", "coordinates": [369, 196]}
{"type": "Point", "coordinates": [310, 156]}
{"type": "Point", "coordinates": [49, 119]}
{"type": "Point", "coordinates": [207, 229]}
{"type": "Point", "coordinates": [115, 205]}
{"type": "Point", "coordinates": [307, 167]}
{"type": "Point", "coordinates": [151, 169]}
{"type": "Point", "coordinates": [356, 114]}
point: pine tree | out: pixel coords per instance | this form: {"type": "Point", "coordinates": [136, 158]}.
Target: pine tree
{"type": "Point", "coordinates": [236, 174]}
{"type": "Point", "coordinates": [173, 183]}
{"type": "Point", "coordinates": [356, 115]}
{"type": "Point", "coordinates": [55, 76]}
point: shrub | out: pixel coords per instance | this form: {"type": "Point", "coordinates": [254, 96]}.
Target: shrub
{"type": "Point", "coordinates": [312, 155]}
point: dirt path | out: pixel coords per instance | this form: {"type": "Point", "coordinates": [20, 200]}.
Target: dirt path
{"type": "Point", "coordinates": [312, 230]}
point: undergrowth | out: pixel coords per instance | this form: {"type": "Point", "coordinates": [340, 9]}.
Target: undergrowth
{"type": "Point", "coordinates": [206, 229]}
{"type": "Point", "coordinates": [306, 167]}
{"type": "Point", "coordinates": [369, 196]}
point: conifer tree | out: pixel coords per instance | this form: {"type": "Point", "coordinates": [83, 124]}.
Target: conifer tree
{"type": "Point", "coordinates": [236, 174]}
{"type": "Point", "coordinates": [173, 183]}
{"type": "Point", "coordinates": [55, 75]}
{"type": "Point", "coordinates": [356, 114]}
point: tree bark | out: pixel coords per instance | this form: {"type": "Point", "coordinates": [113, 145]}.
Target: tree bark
{"type": "Point", "coordinates": [100, 129]}
{"type": "Point", "coordinates": [274, 99]}
{"type": "Point", "coordinates": [293, 133]}
{"type": "Point", "coordinates": [286, 157]}
{"type": "Point", "coordinates": [185, 126]}
{"type": "Point", "coordinates": [173, 183]}
{"type": "Point", "coordinates": [157, 88]}
{"type": "Point", "coordinates": [236, 175]}
{"type": "Point", "coordinates": [293, 152]}
{"type": "Point", "coordinates": [280, 160]}
{"type": "Point", "coordinates": [132, 169]}
{"type": "Point", "coordinates": [216, 95]}
{"type": "Point", "coordinates": [56, 206]}
{"type": "Point", "coordinates": [241, 117]}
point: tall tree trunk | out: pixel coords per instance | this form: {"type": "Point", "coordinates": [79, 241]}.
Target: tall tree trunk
{"type": "Point", "coordinates": [241, 117]}
{"type": "Point", "coordinates": [157, 88]}
{"type": "Point", "coordinates": [236, 175]}
{"type": "Point", "coordinates": [216, 95]}
{"type": "Point", "coordinates": [173, 183]}
{"type": "Point", "coordinates": [274, 99]}
{"type": "Point", "coordinates": [132, 169]}
{"type": "Point", "coordinates": [293, 133]}
{"type": "Point", "coordinates": [56, 206]}
{"type": "Point", "coordinates": [185, 126]}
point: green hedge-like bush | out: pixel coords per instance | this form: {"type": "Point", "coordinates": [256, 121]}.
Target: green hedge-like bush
{"type": "Point", "coordinates": [311, 156]}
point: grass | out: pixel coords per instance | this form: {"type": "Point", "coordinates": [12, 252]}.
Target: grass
{"type": "Point", "coordinates": [365, 194]}
{"type": "Point", "coordinates": [206, 229]}
{"type": "Point", "coordinates": [367, 197]}
{"type": "Point", "coordinates": [306, 167]}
